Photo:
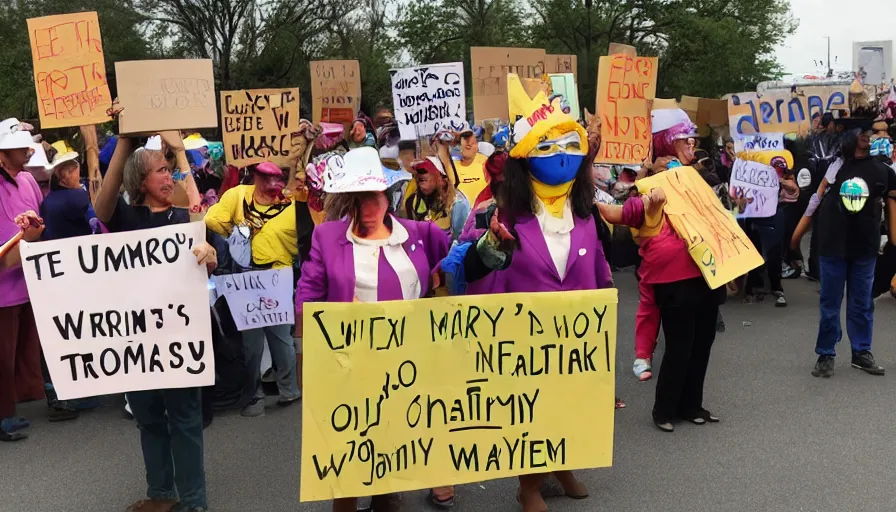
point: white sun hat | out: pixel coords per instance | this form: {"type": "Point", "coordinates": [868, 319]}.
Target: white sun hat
{"type": "Point", "coordinates": [12, 136]}
{"type": "Point", "coordinates": [359, 170]}
{"type": "Point", "coordinates": [62, 158]}
{"type": "Point", "coordinates": [38, 160]}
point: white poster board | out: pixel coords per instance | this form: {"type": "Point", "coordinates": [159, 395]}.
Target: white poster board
{"type": "Point", "coordinates": [429, 98]}
{"type": "Point", "coordinates": [759, 142]}
{"type": "Point", "coordinates": [122, 312]}
{"type": "Point", "coordinates": [259, 298]}
{"type": "Point", "coordinates": [759, 184]}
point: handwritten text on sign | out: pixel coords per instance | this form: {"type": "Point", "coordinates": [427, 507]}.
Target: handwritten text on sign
{"type": "Point", "coordinates": [716, 243]}
{"type": "Point", "coordinates": [759, 142]}
{"type": "Point", "coordinates": [759, 184]}
{"type": "Point", "coordinates": [145, 323]}
{"type": "Point", "coordinates": [257, 125]}
{"type": "Point", "coordinates": [335, 91]}
{"type": "Point", "coordinates": [69, 71]}
{"type": "Point", "coordinates": [428, 99]}
{"type": "Point", "coordinates": [782, 111]}
{"type": "Point", "coordinates": [419, 393]}
{"type": "Point", "coordinates": [260, 298]}
{"type": "Point", "coordinates": [625, 86]}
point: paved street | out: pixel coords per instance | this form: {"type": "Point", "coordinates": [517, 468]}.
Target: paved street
{"type": "Point", "coordinates": [788, 441]}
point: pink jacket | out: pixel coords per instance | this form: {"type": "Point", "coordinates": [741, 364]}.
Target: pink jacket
{"type": "Point", "coordinates": [665, 257]}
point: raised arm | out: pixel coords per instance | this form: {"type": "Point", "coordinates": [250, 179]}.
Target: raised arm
{"type": "Point", "coordinates": [107, 196]}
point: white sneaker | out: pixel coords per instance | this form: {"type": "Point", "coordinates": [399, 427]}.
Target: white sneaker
{"type": "Point", "coordinates": [127, 409]}
{"type": "Point", "coordinates": [642, 369]}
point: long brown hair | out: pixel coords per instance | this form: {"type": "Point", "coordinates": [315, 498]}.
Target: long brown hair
{"type": "Point", "coordinates": [441, 204]}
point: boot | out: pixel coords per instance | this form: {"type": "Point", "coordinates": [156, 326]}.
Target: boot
{"type": "Point", "coordinates": [571, 486]}
{"type": "Point", "coordinates": [345, 504]}
{"type": "Point", "coordinates": [529, 494]}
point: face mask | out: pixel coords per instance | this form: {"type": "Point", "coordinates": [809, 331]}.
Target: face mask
{"type": "Point", "coordinates": [556, 169]}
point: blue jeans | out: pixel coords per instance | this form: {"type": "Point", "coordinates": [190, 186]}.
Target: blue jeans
{"type": "Point", "coordinates": [858, 277]}
{"type": "Point", "coordinates": [170, 422]}
{"type": "Point", "coordinates": [283, 355]}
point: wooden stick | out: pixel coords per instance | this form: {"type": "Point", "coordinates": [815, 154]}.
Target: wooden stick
{"type": "Point", "coordinates": [11, 244]}
{"type": "Point", "coordinates": [92, 154]}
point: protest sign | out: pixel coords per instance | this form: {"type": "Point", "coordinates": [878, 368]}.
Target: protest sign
{"type": "Point", "coordinates": [489, 66]}
{"type": "Point", "coordinates": [157, 95]}
{"type": "Point", "coordinates": [783, 111]}
{"type": "Point", "coordinates": [421, 393]}
{"type": "Point", "coordinates": [69, 70]}
{"type": "Point", "coordinates": [759, 142]}
{"type": "Point", "coordinates": [622, 49]}
{"type": "Point", "coordinates": [259, 298]}
{"type": "Point", "coordinates": [759, 184]}
{"type": "Point", "coordinates": [335, 91]}
{"type": "Point", "coordinates": [712, 112]}
{"type": "Point", "coordinates": [122, 312]}
{"type": "Point", "coordinates": [428, 99]}
{"type": "Point", "coordinates": [625, 87]}
{"type": "Point", "coordinates": [690, 105]}
{"type": "Point", "coordinates": [257, 125]}
{"type": "Point", "coordinates": [565, 85]}
{"type": "Point", "coordinates": [717, 244]}
{"type": "Point", "coordinates": [559, 64]}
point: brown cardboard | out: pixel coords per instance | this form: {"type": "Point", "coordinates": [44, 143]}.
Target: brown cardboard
{"type": "Point", "coordinates": [623, 49]}
{"type": "Point", "coordinates": [690, 105]}
{"type": "Point", "coordinates": [625, 89]}
{"type": "Point", "coordinates": [489, 66]}
{"type": "Point", "coordinates": [157, 95]}
{"type": "Point", "coordinates": [69, 70]}
{"type": "Point", "coordinates": [558, 63]}
{"type": "Point", "coordinates": [257, 124]}
{"type": "Point", "coordinates": [335, 91]}
{"type": "Point", "coordinates": [711, 112]}
{"type": "Point", "coordinates": [663, 103]}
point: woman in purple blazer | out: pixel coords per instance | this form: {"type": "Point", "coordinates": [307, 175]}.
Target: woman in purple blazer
{"type": "Point", "coordinates": [364, 254]}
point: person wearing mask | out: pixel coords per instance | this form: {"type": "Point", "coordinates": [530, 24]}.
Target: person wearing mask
{"type": "Point", "coordinates": [364, 254]}
{"type": "Point", "coordinates": [20, 369]}
{"type": "Point", "coordinates": [470, 168]}
{"type": "Point", "coordinates": [170, 420]}
{"type": "Point", "coordinates": [435, 199]}
{"type": "Point", "coordinates": [849, 239]}
{"type": "Point", "coordinates": [261, 214]}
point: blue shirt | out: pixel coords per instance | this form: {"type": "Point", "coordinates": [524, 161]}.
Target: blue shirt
{"type": "Point", "coordinates": [66, 213]}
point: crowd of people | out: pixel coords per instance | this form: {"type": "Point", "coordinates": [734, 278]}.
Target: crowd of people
{"type": "Point", "coordinates": [360, 215]}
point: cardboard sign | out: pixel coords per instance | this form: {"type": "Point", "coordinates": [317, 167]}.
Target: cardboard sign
{"type": "Point", "coordinates": [783, 111]}
{"type": "Point", "coordinates": [69, 70]}
{"type": "Point", "coordinates": [625, 87]}
{"type": "Point", "coordinates": [428, 99]}
{"type": "Point", "coordinates": [759, 184]}
{"type": "Point", "coordinates": [559, 64]}
{"type": "Point", "coordinates": [335, 91]}
{"type": "Point", "coordinates": [414, 394]}
{"type": "Point", "coordinates": [565, 85]}
{"type": "Point", "coordinates": [622, 49]}
{"type": "Point", "coordinates": [712, 112]}
{"type": "Point", "coordinates": [490, 66]}
{"type": "Point", "coordinates": [715, 241]}
{"type": "Point", "coordinates": [122, 312]}
{"type": "Point", "coordinates": [158, 95]}
{"type": "Point", "coordinates": [260, 298]}
{"type": "Point", "coordinates": [690, 105]}
{"type": "Point", "coordinates": [759, 142]}
{"type": "Point", "coordinates": [257, 125]}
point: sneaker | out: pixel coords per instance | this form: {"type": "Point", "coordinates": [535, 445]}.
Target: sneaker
{"type": "Point", "coordinates": [824, 367]}
{"type": "Point", "coordinates": [14, 424]}
{"type": "Point", "coordinates": [780, 301]}
{"type": "Point", "coordinates": [642, 368]}
{"type": "Point", "coordinates": [127, 409]}
{"type": "Point", "coordinates": [286, 402]}
{"type": "Point", "coordinates": [61, 411]}
{"type": "Point", "coordinates": [253, 409]}
{"type": "Point", "coordinates": [865, 361]}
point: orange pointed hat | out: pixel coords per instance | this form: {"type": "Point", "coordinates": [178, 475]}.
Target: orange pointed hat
{"type": "Point", "coordinates": [533, 120]}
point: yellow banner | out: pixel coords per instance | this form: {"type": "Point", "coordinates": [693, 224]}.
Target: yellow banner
{"type": "Point", "coordinates": [716, 242]}
{"type": "Point", "coordinates": [415, 394]}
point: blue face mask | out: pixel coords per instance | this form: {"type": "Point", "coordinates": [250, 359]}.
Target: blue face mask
{"type": "Point", "coordinates": [555, 169]}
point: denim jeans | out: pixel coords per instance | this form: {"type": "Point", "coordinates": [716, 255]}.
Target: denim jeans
{"type": "Point", "coordinates": [283, 355]}
{"type": "Point", "coordinates": [170, 422]}
{"type": "Point", "coordinates": [858, 277]}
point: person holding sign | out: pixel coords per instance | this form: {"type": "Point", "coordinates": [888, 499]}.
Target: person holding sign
{"type": "Point", "coordinates": [545, 236]}
{"type": "Point", "coordinates": [170, 420]}
{"type": "Point", "coordinates": [364, 254]}
{"type": "Point", "coordinates": [260, 215]}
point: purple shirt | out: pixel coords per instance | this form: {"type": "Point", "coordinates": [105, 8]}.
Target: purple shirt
{"type": "Point", "coordinates": [14, 201]}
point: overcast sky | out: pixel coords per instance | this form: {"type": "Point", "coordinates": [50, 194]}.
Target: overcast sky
{"type": "Point", "coordinates": [845, 21]}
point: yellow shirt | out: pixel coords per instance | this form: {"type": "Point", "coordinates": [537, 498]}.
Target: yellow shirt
{"type": "Point", "coordinates": [472, 177]}
{"type": "Point", "coordinates": [276, 243]}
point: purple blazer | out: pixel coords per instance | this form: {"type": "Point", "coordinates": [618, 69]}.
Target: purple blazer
{"type": "Point", "coordinates": [533, 270]}
{"type": "Point", "coordinates": [329, 273]}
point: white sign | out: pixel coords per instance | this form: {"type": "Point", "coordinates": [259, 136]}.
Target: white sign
{"type": "Point", "coordinates": [122, 312]}
{"type": "Point", "coordinates": [428, 99]}
{"type": "Point", "coordinates": [259, 298]}
{"type": "Point", "coordinates": [759, 142]}
{"type": "Point", "coordinates": [759, 184]}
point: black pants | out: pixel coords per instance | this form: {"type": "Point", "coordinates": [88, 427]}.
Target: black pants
{"type": "Point", "coordinates": [688, 310]}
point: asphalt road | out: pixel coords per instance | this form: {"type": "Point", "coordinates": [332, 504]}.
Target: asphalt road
{"type": "Point", "coordinates": [787, 442]}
